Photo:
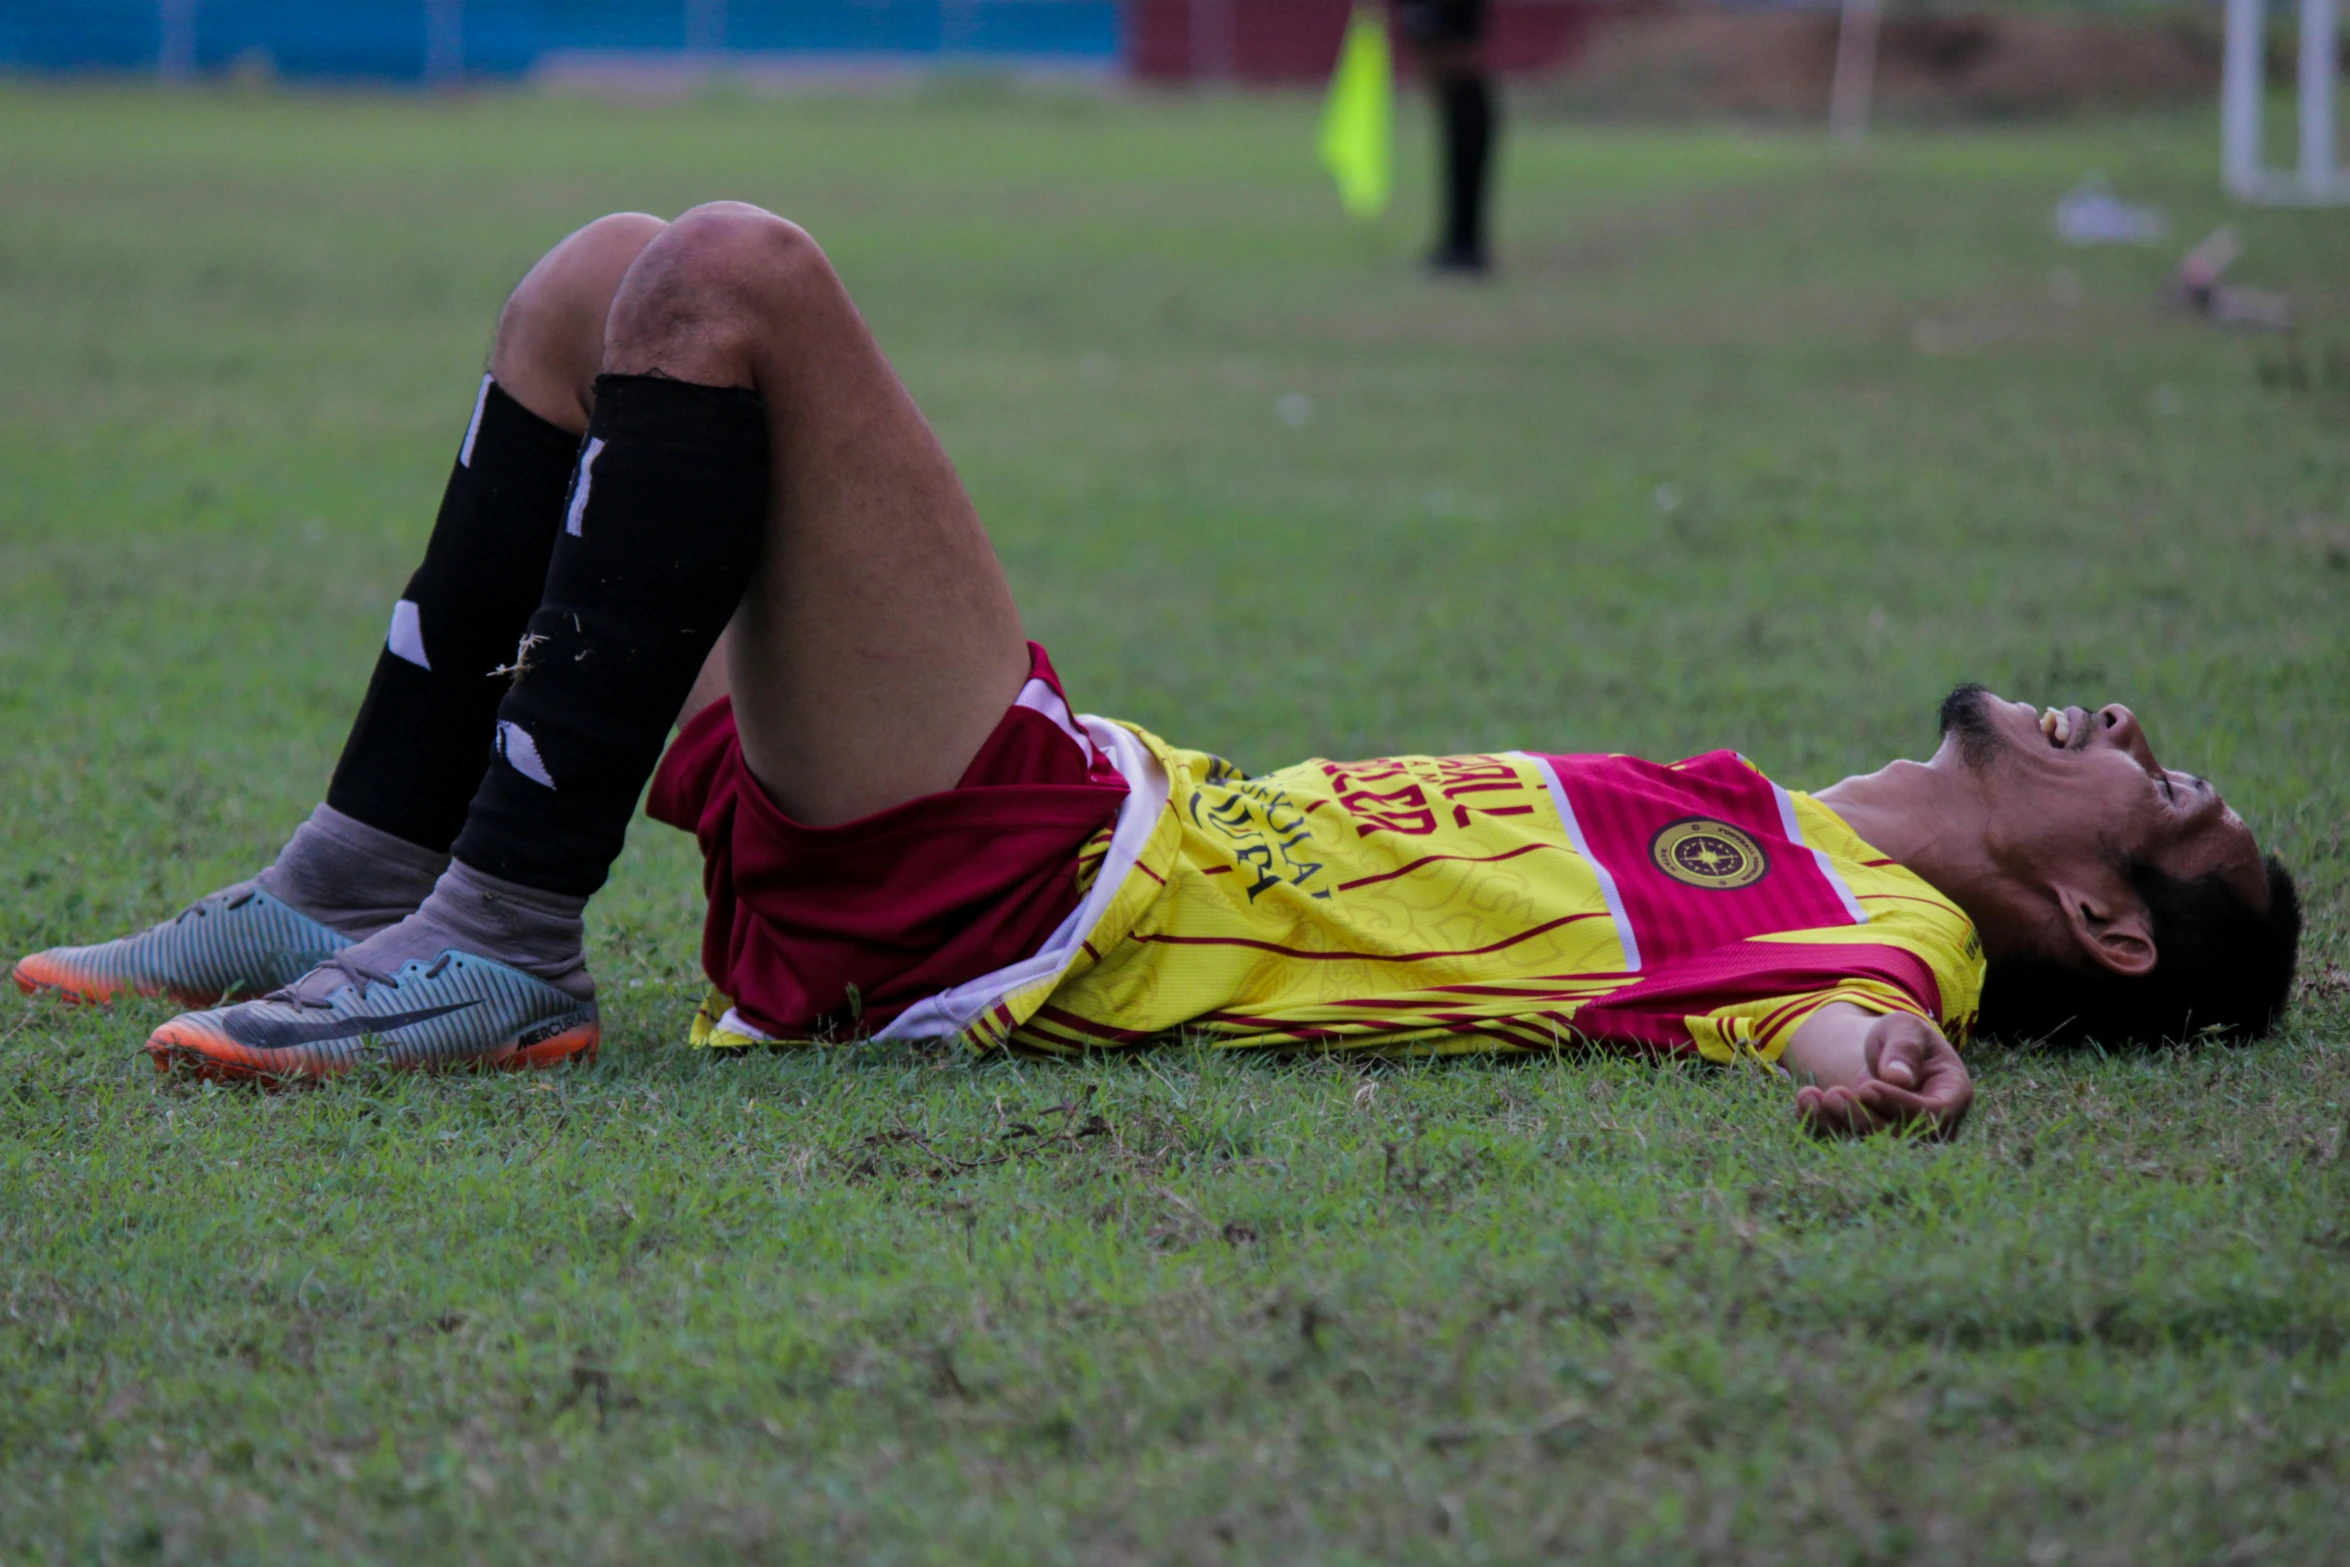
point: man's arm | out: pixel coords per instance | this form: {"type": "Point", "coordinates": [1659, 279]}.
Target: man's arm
{"type": "Point", "coordinates": [1861, 1072]}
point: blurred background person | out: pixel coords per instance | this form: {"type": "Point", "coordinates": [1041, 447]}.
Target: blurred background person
{"type": "Point", "coordinates": [1447, 39]}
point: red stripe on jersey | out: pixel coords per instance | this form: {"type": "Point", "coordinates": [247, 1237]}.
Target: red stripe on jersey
{"type": "Point", "coordinates": [1777, 1015]}
{"type": "Point", "coordinates": [1513, 1030]}
{"type": "Point", "coordinates": [1448, 995]}
{"type": "Point", "coordinates": [1652, 1011]}
{"type": "Point", "coordinates": [1431, 859]}
{"type": "Point", "coordinates": [1372, 957]}
{"type": "Point", "coordinates": [1623, 804]}
{"type": "Point", "coordinates": [1070, 1022]}
{"type": "Point", "coordinates": [1043, 1036]}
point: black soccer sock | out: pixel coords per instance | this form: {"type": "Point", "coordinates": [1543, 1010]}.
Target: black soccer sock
{"type": "Point", "coordinates": [421, 741]}
{"type": "Point", "coordinates": [667, 511]}
{"type": "Point", "coordinates": [1467, 105]}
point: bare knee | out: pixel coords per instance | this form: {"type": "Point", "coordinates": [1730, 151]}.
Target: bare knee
{"type": "Point", "coordinates": [710, 289]}
{"type": "Point", "coordinates": [550, 341]}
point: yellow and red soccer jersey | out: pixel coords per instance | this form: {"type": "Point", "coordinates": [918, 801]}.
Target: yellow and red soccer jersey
{"type": "Point", "coordinates": [1513, 901]}
{"type": "Point", "coordinates": [1509, 901]}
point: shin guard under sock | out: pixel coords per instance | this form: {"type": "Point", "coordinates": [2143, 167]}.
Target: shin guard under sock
{"type": "Point", "coordinates": [667, 511]}
{"type": "Point", "coordinates": [421, 741]}
{"type": "Point", "coordinates": [1467, 103]}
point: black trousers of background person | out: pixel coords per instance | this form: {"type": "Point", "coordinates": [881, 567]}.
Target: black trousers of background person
{"type": "Point", "coordinates": [1449, 36]}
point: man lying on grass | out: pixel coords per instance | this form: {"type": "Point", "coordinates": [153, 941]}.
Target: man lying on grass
{"type": "Point", "coordinates": [692, 483]}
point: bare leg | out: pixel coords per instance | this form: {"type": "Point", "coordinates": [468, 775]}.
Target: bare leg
{"type": "Point", "coordinates": [877, 644]}
{"type": "Point", "coordinates": [550, 342]}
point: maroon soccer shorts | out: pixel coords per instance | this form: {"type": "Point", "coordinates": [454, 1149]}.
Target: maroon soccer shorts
{"type": "Point", "coordinates": [831, 932]}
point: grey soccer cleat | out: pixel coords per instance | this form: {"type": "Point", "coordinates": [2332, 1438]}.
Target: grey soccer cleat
{"type": "Point", "coordinates": [239, 940]}
{"type": "Point", "coordinates": [457, 1010]}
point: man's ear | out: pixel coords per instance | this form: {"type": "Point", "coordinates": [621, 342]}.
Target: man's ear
{"type": "Point", "coordinates": [2112, 932]}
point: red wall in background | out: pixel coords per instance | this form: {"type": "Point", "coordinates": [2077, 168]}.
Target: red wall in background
{"type": "Point", "coordinates": [1297, 40]}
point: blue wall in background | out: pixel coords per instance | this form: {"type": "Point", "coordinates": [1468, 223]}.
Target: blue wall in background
{"type": "Point", "coordinates": [393, 38]}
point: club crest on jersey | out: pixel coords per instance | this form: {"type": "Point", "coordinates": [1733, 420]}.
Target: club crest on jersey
{"type": "Point", "coordinates": [1701, 852]}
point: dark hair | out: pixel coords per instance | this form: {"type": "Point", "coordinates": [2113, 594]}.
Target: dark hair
{"type": "Point", "coordinates": [2222, 969]}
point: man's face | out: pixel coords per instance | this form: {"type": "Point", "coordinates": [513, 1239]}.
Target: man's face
{"type": "Point", "coordinates": [2074, 793]}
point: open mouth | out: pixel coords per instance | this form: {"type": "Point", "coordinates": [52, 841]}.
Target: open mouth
{"type": "Point", "coordinates": [2066, 729]}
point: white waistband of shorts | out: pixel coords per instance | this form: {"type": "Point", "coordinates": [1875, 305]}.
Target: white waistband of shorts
{"type": "Point", "coordinates": [951, 1011]}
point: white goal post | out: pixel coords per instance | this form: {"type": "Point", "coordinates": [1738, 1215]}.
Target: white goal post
{"type": "Point", "coordinates": [2316, 182]}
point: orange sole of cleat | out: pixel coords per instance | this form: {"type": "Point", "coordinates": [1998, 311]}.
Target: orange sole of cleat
{"type": "Point", "coordinates": [35, 977]}
{"type": "Point", "coordinates": [573, 1044]}
{"type": "Point", "coordinates": [211, 1058]}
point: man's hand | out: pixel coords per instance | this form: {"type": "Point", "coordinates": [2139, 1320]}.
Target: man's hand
{"type": "Point", "coordinates": [1862, 1073]}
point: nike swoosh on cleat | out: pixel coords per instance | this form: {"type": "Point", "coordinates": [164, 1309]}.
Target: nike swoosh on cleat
{"type": "Point", "coordinates": [273, 1034]}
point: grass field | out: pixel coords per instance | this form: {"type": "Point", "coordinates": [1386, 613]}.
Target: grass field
{"type": "Point", "coordinates": [1748, 446]}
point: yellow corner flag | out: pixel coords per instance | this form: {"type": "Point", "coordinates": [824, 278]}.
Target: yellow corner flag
{"type": "Point", "coordinates": [1358, 142]}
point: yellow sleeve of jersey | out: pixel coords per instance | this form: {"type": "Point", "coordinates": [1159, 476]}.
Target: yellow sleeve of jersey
{"type": "Point", "coordinates": [1760, 1029]}
{"type": "Point", "coordinates": [1904, 913]}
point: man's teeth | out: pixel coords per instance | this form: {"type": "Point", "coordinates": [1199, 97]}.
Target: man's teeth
{"type": "Point", "coordinates": [2058, 727]}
